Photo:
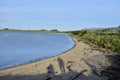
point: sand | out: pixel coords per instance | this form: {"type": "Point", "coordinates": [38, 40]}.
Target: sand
{"type": "Point", "coordinates": [83, 62]}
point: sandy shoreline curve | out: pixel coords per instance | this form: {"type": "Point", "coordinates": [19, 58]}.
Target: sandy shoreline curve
{"type": "Point", "coordinates": [77, 63]}
{"type": "Point", "coordinates": [45, 58]}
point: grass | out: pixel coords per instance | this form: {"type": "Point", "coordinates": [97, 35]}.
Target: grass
{"type": "Point", "coordinates": [109, 41]}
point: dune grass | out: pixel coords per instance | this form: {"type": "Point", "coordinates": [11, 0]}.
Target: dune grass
{"type": "Point", "coordinates": [109, 41]}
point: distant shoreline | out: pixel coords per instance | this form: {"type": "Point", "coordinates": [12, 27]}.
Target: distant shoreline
{"type": "Point", "coordinates": [20, 30]}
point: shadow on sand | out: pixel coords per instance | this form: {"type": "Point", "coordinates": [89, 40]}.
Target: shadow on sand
{"type": "Point", "coordinates": [61, 65]}
{"type": "Point", "coordinates": [71, 74]}
{"type": "Point", "coordinates": [112, 71]}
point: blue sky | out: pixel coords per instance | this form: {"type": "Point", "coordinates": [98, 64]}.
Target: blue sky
{"type": "Point", "coordinates": [59, 14]}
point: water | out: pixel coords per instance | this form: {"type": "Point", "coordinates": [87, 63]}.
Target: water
{"type": "Point", "coordinates": [22, 47]}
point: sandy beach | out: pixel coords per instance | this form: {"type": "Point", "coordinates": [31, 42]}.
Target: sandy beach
{"type": "Point", "coordinates": [83, 62]}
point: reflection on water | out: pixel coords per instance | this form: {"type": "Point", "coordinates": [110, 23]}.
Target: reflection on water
{"type": "Point", "coordinates": [22, 47]}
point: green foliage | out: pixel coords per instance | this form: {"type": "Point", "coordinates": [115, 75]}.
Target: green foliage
{"type": "Point", "coordinates": [6, 29]}
{"type": "Point", "coordinates": [79, 33]}
{"type": "Point", "coordinates": [54, 30]}
{"type": "Point", "coordinates": [19, 30]}
{"type": "Point", "coordinates": [109, 41]}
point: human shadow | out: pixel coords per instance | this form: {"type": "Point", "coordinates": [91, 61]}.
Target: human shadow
{"type": "Point", "coordinates": [69, 76]}
{"type": "Point", "coordinates": [61, 65]}
{"type": "Point", "coordinates": [50, 72]}
{"type": "Point", "coordinates": [50, 75]}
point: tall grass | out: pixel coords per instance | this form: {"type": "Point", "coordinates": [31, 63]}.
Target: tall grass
{"type": "Point", "coordinates": [109, 41]}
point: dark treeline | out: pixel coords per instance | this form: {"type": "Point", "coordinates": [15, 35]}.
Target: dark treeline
{"type": "Point", "coordinates": [20, 30]}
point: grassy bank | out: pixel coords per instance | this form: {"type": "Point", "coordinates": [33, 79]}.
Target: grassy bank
{"type": "Point", "coordinates": [105, 40]}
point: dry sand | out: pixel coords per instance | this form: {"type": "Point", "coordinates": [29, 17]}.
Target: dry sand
{"type": "Point", "coordinates": [83, 62]}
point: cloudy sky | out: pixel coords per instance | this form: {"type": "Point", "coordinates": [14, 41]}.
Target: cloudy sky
{"type": "Point", "coordinates": [59, 14]}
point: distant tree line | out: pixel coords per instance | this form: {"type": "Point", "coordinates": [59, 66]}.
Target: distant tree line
{"type": "Point", "coordinates": [19, 30]}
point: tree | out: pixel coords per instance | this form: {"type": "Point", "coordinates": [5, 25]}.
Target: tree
{"type": "Point", "coordinates": [43, 30]}
{"type": "Point", "coordinates": [6, 29]}
{"type": "Point", "coordinates": [54, 30]}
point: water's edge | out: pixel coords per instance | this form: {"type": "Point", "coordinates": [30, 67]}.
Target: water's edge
{"type": "Point", "coordinates": [44, 58]}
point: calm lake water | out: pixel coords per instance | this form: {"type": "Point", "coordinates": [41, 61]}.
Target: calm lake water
{"type": "Point", "coordinates": [22, 47]}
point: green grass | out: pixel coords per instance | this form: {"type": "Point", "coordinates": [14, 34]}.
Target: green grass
{"type": "Point", "coordinates": [109, 41]}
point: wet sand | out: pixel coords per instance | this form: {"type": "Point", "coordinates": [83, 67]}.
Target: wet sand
{"type": "Point", "coordinates": [83, 62]}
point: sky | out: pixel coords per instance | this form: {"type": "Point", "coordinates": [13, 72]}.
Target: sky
{"type": "Point", "coordinates": [59, 14]}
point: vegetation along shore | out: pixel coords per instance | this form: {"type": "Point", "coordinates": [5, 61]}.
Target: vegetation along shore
{"type": "Point", "coordinates": [96, 56]}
